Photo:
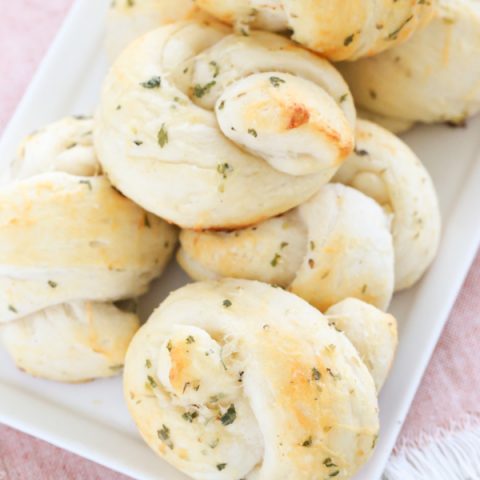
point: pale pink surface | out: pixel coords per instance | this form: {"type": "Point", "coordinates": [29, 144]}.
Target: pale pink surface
{"type": "Point", "coordinates": [449, 390]}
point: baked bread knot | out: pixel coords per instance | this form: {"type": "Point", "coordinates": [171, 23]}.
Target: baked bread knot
{"type": "Point", "coordinates": [434, 77]}
{"type": "Point", "coordinates": [212, 130]}
{"type": "Point", "coordinates": [70, 244]}
{"type": "Point", "coordinates": [129, 19]}
{"type": "Point", "coordinates": [337, 29]}
{"type": "Point", "coordinates": [238, 379]}
{"type": "Point", "coordinates": [336, 245]}
{"type": "Point", "coordinates": [386, 169]}
{"type": "Point", "coordinates": [372, 332]}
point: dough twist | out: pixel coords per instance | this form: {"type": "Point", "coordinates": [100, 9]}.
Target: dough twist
{"type": "Point", "coordinates": [69, 245]}
{"type": "Point", "coordinates": [434, 77]}
{"type": "Point", "coordinates": [210, 130]}
{"type": "Point", "coordinates": [237, 379]}
{"type": "Point", "coordinates": [337, 29]}
{"type": "Point", "coordinates": [336, 245]}
{"type": "Point", "coordinates": [386, 169]}
{"type": "Point", "coordinates": [128, 20]}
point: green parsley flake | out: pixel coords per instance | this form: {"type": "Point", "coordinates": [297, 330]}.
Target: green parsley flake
{"type": "Point", "coordinates": [308, 442]}
{"type": "Point", "coordinates": [164, 436]}
{"type": "Point", "coordinates": [201, 90]}
{"type": "Point", "coordinates": [316, 375]}
{"type": "Point", "coordinates": [276, 259]}
{"type": "Point", "coordinates": [190, 340]}
{"type": "Point", "coordinates": [227, 303]}
{"type": "Point", "coordinates": [190, 416]}
{"type": "Point", "coordinates": [162, 136]}
{"type": "Point", "coordinates": [329, 463]}
{"type": "Point", "coordinates": [86, 182]}
{"type": "Point", "coordinates": [154, 82]}
{"type": "Point", "coordinates": [221, 466]}
{"type": "Point", "coordinates": [151, 381]}
{"type": "Point", "coordinates": [53, 284]}
{"type": "Point", "coordinates": [276, 81]}
{"type": "Point", "coordinates": [229, 416]}
{"type": "Point", "coordinates": [348, 40]}
{"type": "Point", "coordinates": [252, 132]}
{"type": "Point", "coordinates": [216, 68]}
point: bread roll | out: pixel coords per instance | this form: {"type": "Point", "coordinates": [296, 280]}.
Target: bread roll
{"type": "Point", "coordinates": [337, 29]}
{"type": "Point", "coordinates": [210, 130]}
{"type": "Point", "coordinates": [386, 169]}
{"type": "Point", "coordinates": [334, 246]}
{"type": "Point", "coordinates": [237, 379]}
{"type": "Point", "coordinates": [434, 77]}
{"type": "Point", "coordinates": [70, 244]}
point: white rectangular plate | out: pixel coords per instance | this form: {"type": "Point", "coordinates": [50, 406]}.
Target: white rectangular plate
{"type": "Point", "coordinates": [91, 419]}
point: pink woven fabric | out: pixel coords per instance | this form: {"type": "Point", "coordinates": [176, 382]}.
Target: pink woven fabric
{"type": "Point", "coordinates": [451, 385]}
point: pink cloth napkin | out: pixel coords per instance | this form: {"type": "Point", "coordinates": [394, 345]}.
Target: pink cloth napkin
{"type": "Point", "coordinates": [450, 390]}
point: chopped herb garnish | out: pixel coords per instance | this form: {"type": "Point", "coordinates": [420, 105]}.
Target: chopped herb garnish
{"type": "Point", "coordinates": [148, 363]}
{"type": "Point", "coordinates": [53, 284]}
{"type": "Point", "coordinates": [169, 346]}
{"type": "Point", "coordinates": [308, 442]}
{"type": "Point", "coordinates": [336, 376]}
{"type": "Point", "coordinates": [229, 416]}
{"type": "Point", "coordinates": [374, 442]}
{"type": "Point", "coordinates": [154, 82]}
{"type": "Point", "coordinates": [316, 375]}
{"type": "Point", "coordinates": [329, 463]}
{"type": "Point", "coordinates": [283, 245]}
{"type": "Point", "coordinates": [222, 105]}
{"type": "Point", "coordinates": [216, 69]}
{"type": "Point", "coordinates": [162, 136]}
{"type": "Point", "coordinates": [116, 368]}
{"type": "Point", "coordinates": [151, 381]}
{"type": "Point", "coordinates": [334, 474]}
{"type": "Point", "coordinates": [190, 340]}
{"type": "Point", "coordinates": [276, 81]}
{"type": "Point", "coordinates": [164, 436]}
{"type": "Point", "coordinates": [312, 245]}
{"type": "Point", "coordinates": [221, 466]}
{"type": "Point", "coordinates": [252, 132]}
{"type": "Point", "coordinates": [223, 169]}
{"type": "Point", "coordinates": [146, 221]}
{"type": "Point", "coordinates": [364, 289]}
{"type": "Point", "coordinates": [72, 145]}
{"type": "Point", "coordinates": [138, 142]}
{"type": "Point", "coordinates": [276, 259]}
{"type": "Point", "coordinates": [227, 303]}
{"type": "Point", "coordinates": [200, 90]}
{"type": "Point", "coordinates": [393, 35]}
{"type": "Point", "coordinates": [311, 263]}
{"type": "Point", "coordinates": [86, 182]}
{"type": "Point", "coordinates": [343, 98]}
{"type": "Point", "coordinates": [361, 152]}
{"type": "Point", "coordinates": [190, 416]}
{"type": "Point", "coordinates": [12, 309]}
{"type": "Point", "coordinates": [348, 40]}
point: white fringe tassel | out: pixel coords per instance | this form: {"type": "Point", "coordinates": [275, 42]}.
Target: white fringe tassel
{"type": "Point", "coordinates": [453, 454]}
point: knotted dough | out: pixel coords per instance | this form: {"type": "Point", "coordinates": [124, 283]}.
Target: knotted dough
{"type": "Point", "coordinates": [70, 244]}
{"type": "Point", "coordinates": [238, 379]}
{"type": "Point", "coordinates": [434, 77]}
{"type": "Point", "coordinates": [336, 245]}
{"type": "Point", "coordinates": [386, 169]}
{"type": "Point", "coordinates": [337, 29]}
{"type": "Point", "coordinates": [212, 130]}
